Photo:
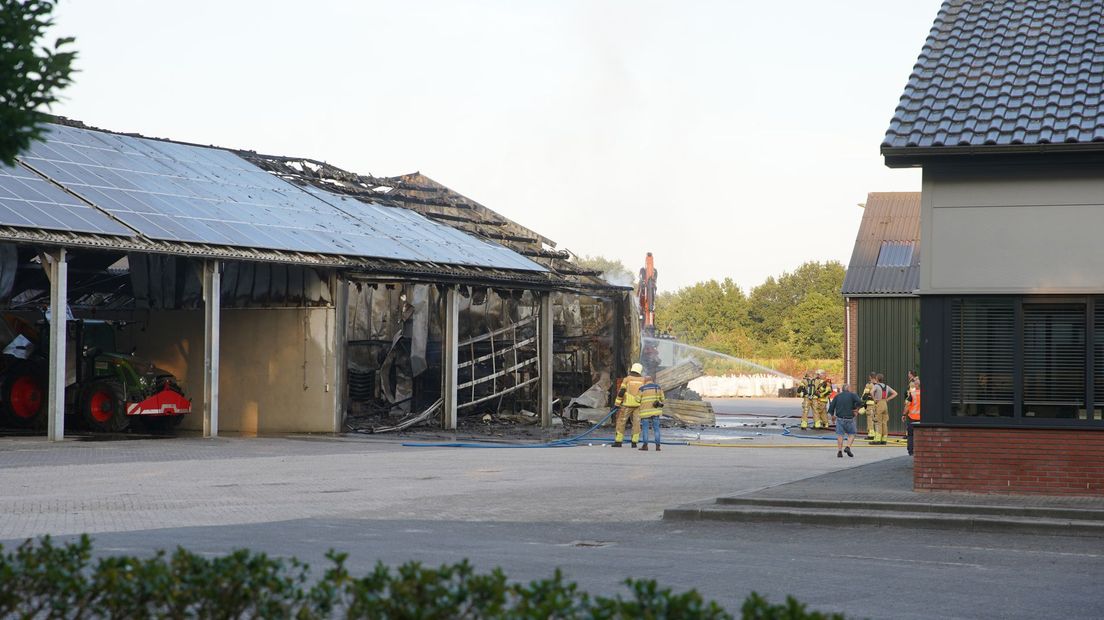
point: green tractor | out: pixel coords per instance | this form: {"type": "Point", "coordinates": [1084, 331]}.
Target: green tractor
{"type": "Point", "coordinates": [114, 390]}
{"type": "Point", "coordinates": [110, 391]}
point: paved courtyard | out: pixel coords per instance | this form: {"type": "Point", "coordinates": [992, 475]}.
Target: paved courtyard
{"type": "Point", "coordinates": [141, 484]}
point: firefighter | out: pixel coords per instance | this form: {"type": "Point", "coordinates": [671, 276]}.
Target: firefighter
{"type": "Point", "coordinates": [822, 393]}
{"type": "Point", "coordinates": [805, 391]}
{"type": "Point", "coordinates": [912, 406]}
{"type": "Point", "coordinates": [881, 394]}
{"type": "Point", "coordinates": [868, 405]}
{"type": "Point", "coordinates": [651, 405]}
{"type": "Point", "coordinates": [628, 403]}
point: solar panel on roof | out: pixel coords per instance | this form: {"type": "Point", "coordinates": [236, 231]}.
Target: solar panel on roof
{"type": "Point", "coordinates": [895, 254]}
{"type": "Point", "coordinates": [176, 192]}
{"type": "Point", "coordinates": [29, 201]}
{"type": "Point", "coordinates": [422, 236]}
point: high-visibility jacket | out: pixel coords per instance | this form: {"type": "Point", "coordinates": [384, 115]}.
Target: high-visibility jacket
{"type": "Point", "coordinates": [912, 407]}
{"type": "Point", "coordinates": [868, 395]}
{"type": "Point", "coordinates": [629, 394]}
{"type": "Point", "coordinates": [823, 390]}
{"type": "Point", "coordinates": [651, 400]}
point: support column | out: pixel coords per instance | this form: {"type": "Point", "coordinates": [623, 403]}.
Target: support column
{"type": "Point", "coordinates": [451, 354]}
{"type": "Point", "coordinates": [341, 346]}
{"type": "Point", "coordinates": [617, 348]}
{"type": "Point", "coordinates": [57, 269]}
{"type": "Point", "coordinates": [545, 351]}
{"type": "Point", "coordinates": [212, 291]}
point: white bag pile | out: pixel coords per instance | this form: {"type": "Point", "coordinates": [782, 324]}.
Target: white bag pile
{"type": "Point", "coordinates": [734, 386]}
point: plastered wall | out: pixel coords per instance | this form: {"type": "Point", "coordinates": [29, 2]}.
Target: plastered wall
{"type": "Point", "coordinates": [1018, 229]}
{"type": "Point", "coordinates": [277, 369]}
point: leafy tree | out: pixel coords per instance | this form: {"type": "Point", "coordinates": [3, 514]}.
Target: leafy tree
{"type": "Point", "coordinates": [704, 308]}
{"type": "Point", "coordinates": [30, 76]}
{"type": "Point", "coordinates": [613, 271]}
{"type": "Point", "coordinates": [815, 329]}
{"type": "Point", "coordinates": [796, 314]}
{"type": "Point", "coordinates": [775, 300]}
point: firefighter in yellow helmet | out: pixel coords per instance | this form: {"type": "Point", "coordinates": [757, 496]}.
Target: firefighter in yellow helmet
{"type": "Point", "coordinates": [628, 401]}
{"type": "Point", "coordinates": [822, 393]}
{"type": "Point", "coordinates": [651, 406]}
{"type": "Point", "coordinates": [805, 391]}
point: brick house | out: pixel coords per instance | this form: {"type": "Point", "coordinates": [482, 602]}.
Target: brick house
{"type": "Point", "coordinates": [1004, 113]}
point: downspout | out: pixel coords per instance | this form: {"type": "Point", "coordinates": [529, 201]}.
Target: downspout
{"type": "Point", "coordinates": [847, 352]}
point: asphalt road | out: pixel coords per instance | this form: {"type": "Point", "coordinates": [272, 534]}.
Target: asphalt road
{"type": "Point", "coordinates": [864, 573]}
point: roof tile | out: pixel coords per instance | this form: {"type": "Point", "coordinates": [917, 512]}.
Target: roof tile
{"type": "Point", "coordinates": [1023, 71]}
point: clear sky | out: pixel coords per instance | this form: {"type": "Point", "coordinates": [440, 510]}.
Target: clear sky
{"type": "Point", "coordinates": [731, 138]}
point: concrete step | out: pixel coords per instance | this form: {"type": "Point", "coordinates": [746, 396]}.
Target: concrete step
{"type": "Point", "coordinates": [745, 513]}
{"type": "Point", "coordinates": [1044, 512]}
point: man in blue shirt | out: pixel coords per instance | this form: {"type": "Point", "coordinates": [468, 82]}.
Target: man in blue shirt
{"type": "Point", "coordinates": [843, 408]}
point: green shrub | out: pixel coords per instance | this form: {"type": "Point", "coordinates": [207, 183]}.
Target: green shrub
{"type": "Point", "coordinates": [44, 580]}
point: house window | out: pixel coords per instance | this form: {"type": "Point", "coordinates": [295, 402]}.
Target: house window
{"type": "Point", "coordinates": [1026, 360]}
{"type": "Point", "coordinates": [1054, 361]}
{"type": "Point", "coordinates": [895, 254]}
{"type": "Point", "coordinates": [983, 342]}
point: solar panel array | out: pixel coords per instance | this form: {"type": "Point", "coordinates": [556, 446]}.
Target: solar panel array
{"type": "Point", "coordinates": [176, 192]}
{"type": "Point", "coordinates": [412, 232]}
{"type": "Point", "coordinates": [29, 201]}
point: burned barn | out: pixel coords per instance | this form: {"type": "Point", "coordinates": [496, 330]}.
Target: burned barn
{"type": "Point", "coordinates": [395, 356]}
{"type": "Point", "coordinates": [269, 294]}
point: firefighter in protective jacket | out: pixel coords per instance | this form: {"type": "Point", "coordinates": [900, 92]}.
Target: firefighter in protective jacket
{"type": "Point", "coordinates": [805, 391]}
{"type": "Point", "coordinates": [822, 393]}
{"type": "Point", "coordinates": [651, 406]}
{"type": "Point", "coordinates": [628, 401]}
{"type": "Point", "coordinates": [868, 405]}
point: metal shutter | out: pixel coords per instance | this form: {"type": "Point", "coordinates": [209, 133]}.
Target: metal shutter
{"type": "Point", "coordinates": [1054, 360]}
{"type": "Point", "coordinates": [983, 342]}
{"type": "Point", "coordinates": [1098, 357]}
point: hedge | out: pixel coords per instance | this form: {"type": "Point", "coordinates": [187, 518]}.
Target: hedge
{"type": "Point", "coordinates": [41, 579]}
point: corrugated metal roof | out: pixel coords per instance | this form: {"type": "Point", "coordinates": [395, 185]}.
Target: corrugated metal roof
{"type": "Point", "coordinates": [1016, 72]}
{"type": "Point", "coordinates": [174, 193]}
{"type": "Point", "coordinates": [890, 223]}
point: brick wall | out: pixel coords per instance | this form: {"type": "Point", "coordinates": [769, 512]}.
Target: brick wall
{"type": "Point", "coordinates": [851, 345]}
{"type": "Point", "coordinates": [1013, 461]}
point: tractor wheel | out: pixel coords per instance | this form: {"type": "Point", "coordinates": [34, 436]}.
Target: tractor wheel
{"type": "Point", "coordinates": [23, 398]}
{"type": "Point", "coordinates": [103, 407]}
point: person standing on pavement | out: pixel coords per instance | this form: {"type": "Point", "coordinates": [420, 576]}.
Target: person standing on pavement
{"type": "Point", "coordinates": [912, 406]}
{"type": "Point", "coordinates": [843, 408]}
{"type": "Point", "coordinates": [628, 403]}
{"type": "Point", "coordinates": [881, 394]}
{"type": "Point", "coordinates": [651, 406]}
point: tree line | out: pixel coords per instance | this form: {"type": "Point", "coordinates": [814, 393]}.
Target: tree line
{"type": "Point", "coordinates": [798, 314]}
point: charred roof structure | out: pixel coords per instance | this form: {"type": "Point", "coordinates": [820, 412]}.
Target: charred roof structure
{"type": "Point", "coordinates": [437, 202]}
